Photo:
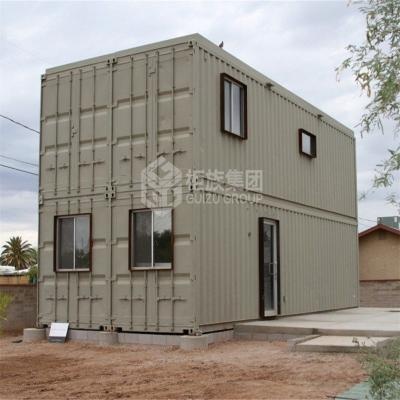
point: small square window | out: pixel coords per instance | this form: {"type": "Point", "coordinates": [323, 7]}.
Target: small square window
{"type": "Point", "coordinates": [233, 107]}
{"type": "Point", "coordinates": [151, 237]}
{"type": "Point", "coordinates": [72, 242]}
{"type": "Point", "coordinates": [307, 143]}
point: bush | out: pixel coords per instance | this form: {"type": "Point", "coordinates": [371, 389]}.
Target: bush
{"type": "Point", "coordinates": [33, 274]}
{"type": "Point", "coordinates": [383, 367]}
{"type": "Point", "coordinates": [5, 300]}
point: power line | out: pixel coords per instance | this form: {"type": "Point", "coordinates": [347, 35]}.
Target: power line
{"type": "Point", "coordinates": [17, 169]}
{"type": "Point", "coordinates": [19, 123]}
{"type": "Point", "coordinates": [365, 219]}
{"type": "Point", "coordinates": [34, 55]}
{"type": "Point", "coordinates": [21, 161]}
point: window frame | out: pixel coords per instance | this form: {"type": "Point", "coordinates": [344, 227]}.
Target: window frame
{"type": "Point", "coordinates": [130, 238]}
{"type": "Point", "coordinates": [223, 78]}
{"type": "Point", "coordinates": [55, 250]}
{"type": "Point", "coordinates": [313, 143]}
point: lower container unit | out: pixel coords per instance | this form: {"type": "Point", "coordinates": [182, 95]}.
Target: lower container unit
{"type": "Point", "coordinates": [231, 262]}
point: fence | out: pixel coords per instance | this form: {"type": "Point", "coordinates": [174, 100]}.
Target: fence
{"type": "Point", "coordinates": [21, 312]}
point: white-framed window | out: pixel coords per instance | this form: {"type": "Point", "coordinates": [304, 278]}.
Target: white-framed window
{"type": "Point", "coordinates": [233, 106]}
{"type": "Point", "coordinates": [72, 242]}
{"type": "Point", "coordinates": [307, 143]}
{"type": "Point", "coordinates": [151, 239]}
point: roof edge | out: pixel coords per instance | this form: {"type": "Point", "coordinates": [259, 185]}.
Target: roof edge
{"type": "Point", "coordinates": [378, 228]}
{"type": "Point", "coordinates": [126, 52]}
{"type": "Point", "coordinates": [222, 53]}
{"type": "Point", "coordinates": [207, 45]}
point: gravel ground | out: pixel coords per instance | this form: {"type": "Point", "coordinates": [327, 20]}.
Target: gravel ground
{"type": "Point", "coordinates": [231, 370]}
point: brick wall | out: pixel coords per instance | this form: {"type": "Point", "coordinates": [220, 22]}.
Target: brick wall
{"type": "Point", "coordinates": [380, 293]}
{"type": "Point", "coordinates": [22, 310]}
{"type": "Point", "coordinates": [14, 280]}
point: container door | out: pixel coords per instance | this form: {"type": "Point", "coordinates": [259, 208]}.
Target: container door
{"type": "Point", "coordinates": [268, 267]}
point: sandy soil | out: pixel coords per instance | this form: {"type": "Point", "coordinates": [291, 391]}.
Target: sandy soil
{"type": "Point", "coordinates": [232, 370]}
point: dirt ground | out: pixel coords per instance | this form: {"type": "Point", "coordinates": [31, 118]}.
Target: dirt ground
{"type": "Point", "coordinates": [231, 370]}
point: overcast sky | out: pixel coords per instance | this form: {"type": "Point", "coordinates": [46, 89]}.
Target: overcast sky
{"type": "Point", "coordinates": [297, 44]}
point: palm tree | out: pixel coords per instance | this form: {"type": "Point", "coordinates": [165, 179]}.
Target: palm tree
{"type": "Point", "coordinates": [34, 256]}
{"type": "Point", "coordinates": [17, 253]}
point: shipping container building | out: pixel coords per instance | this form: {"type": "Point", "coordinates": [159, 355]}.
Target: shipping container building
{"type": "Point", "coordinates": [182, 191]}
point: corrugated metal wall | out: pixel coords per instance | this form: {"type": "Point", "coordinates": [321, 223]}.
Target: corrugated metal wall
{"type": "Point", "coordinates": [318, 263]}
{"type": "Point", "coordinates": [101, 124]}
{"type": "Point", "coordinates": [313, 200]}
{"type": "Point", "coordinates": [327, 182]}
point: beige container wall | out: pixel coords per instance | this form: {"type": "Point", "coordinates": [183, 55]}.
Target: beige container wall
{"type": "Point", "coordinates": [274, 118]}
{"type": "Point", "coordinates": [314, 201]}
{"type": "Point", "coordinates": [101, 125]}
{"type": "Point", "coordinates": [317, 258]}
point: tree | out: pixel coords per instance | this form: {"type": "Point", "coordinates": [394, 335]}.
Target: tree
{"type": "Point", "coordinates": [376, 67]}
{"type": "Point", "coordinates": [17, 253]}
{"type": "Point", "coordinates": [34, 256]}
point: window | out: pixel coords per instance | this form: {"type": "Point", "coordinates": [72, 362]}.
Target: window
{"type": "Point", "coordinates": [72, 242]}
{"type": "Point", "coordinates": [307, 143]}
{"type": "Point", "coordinates": [151, 237]}
{"type": "Point", "coordinates": [233, 107]}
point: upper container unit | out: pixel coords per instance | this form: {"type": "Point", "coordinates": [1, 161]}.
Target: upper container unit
{"type": "Point", "coordinates": [103, 120]}
{"type": "Point", "coordinates": [274, 118]}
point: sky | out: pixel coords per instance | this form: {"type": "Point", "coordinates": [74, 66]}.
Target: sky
{"type": "Point", "coordinates": [298, 44]}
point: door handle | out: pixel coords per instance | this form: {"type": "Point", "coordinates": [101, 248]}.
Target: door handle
{"type": "Point", "coordinates": [271, 269]}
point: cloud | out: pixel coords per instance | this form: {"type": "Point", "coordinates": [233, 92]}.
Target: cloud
{"type": "Point", "coordinates": [298, 44]}
{"type": "Point", "coordinates": [28, 233]}
{"type": "Point", "coordinates": [18, 215]}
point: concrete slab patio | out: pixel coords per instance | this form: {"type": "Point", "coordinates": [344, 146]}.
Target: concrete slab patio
{"type": "Point", "coordinates": [377, 322]}
{"type": "Point", "coordinates": [341, 344]}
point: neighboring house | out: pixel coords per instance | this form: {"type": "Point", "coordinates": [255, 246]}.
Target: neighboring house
{"type": "Point", "coordinates": [9, 275]}
{"type": "Point", "coordinates": [181, 191]}
{"type": "Point", "coordinates": [380, 267]}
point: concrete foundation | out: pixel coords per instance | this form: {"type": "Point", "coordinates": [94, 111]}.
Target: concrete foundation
{"type": "Point", "coordinates": [194, 342]}
{"type": "Point", "coordinates": [34, 335]}
{"type": "Point", "coordinates": [148, 338]}
{"type": "Point", "coordinates": [107, 338]}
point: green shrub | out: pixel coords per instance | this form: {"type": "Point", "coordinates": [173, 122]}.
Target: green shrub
{"type": "Point", "coordinates": [383, 367]}
{"type": "Point", "coordinates": [5, 300]}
